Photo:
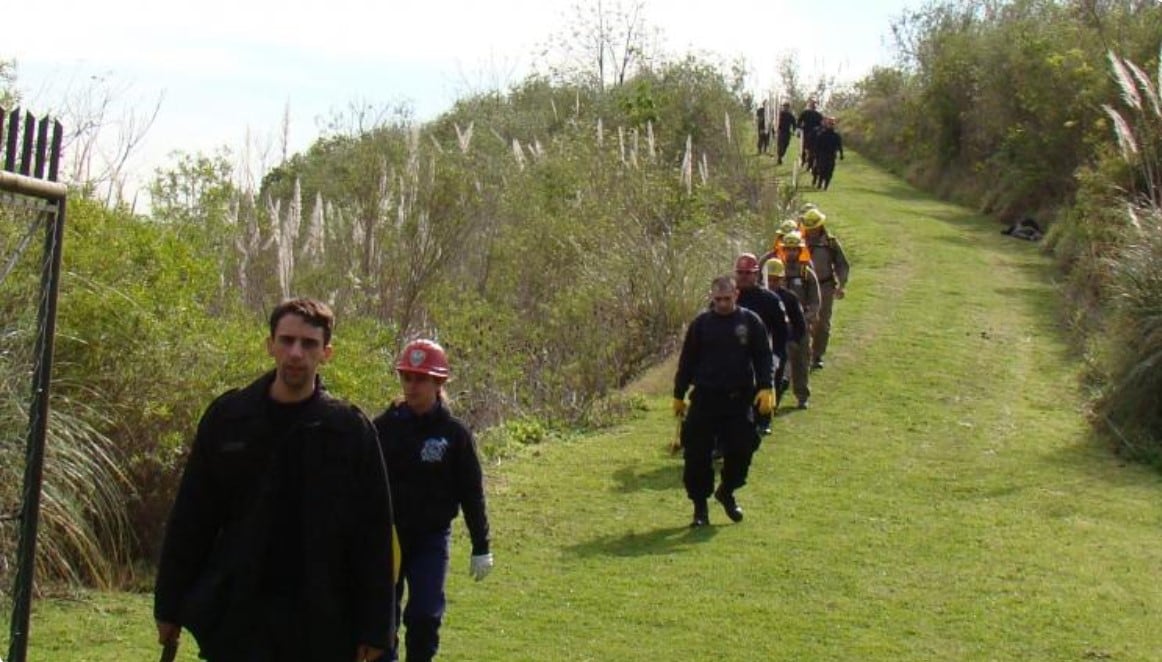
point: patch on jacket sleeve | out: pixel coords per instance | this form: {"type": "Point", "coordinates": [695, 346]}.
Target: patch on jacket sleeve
{"type": "Point", "coordinates": [434, 449]}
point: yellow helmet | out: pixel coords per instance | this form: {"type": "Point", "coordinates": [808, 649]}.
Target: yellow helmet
{"type": "Point", "coordinates": [813, 218]}
{"type": "Point", "coordinates": [775, 267]}
{"type": "Point", "coordinates": [793, 240]}
{"type": "Point", "coordinates": [789, 225]}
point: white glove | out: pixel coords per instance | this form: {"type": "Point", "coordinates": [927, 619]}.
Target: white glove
{"type": "Point", "coordinates": [480, 566]}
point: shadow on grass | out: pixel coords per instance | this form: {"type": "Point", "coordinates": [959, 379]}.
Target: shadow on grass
{"type": "Point", "coordinates": [667, 477]}
{"type": "Point", "coordinates": [1095, 456]}
{"type": "Point", "coordinates": [657, 542]}
{"type": "Point", "coordinates": [896, 190]}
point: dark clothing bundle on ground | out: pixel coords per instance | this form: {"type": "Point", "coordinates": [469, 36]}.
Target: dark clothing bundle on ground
{"type": "Point", "coordinates": [282, 523]}
{"type": "Point", "coordinates": [1027, 229]}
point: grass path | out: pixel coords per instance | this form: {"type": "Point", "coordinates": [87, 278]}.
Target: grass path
{"type": "Point", "coordinates": [942, 500]}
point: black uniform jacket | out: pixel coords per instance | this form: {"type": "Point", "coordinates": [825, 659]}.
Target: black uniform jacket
{"type": "Point", "coordinates": [725, 354]}
{"type": "Point", "coordinates": [809, 122]}
{"type": "Point", "coordinates": [212, 577]}
{"type": "Point", "coordinates": [434, 471]}
{"type": "Point", "coordinates": [828, 143]}
{"type": "Point", "coordinates": [769, 307]}
{"type": "Point", "coordinates": [787, 122]}
{"type": "Point", "coordinates": [794, 313]}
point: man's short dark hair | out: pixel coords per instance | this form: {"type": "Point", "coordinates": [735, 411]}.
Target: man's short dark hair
{"type": "Point", "coordinates": [316, 313]}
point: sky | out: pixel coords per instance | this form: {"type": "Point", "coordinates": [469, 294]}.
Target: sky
{"type": "Point", "coordinates": [223, 73]}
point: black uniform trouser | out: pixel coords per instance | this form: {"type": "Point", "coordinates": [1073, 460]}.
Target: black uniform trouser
{"type": "Point", "coordinates": [824, 169]}
{"type": "Point", "coordinates": [784, 142]}
{"type": "Point", "coordinates": [424, 570]}
{"type": "Point", "coordinates": [728, 420]}
{"type": "Point", "coordinates": [808, 158]}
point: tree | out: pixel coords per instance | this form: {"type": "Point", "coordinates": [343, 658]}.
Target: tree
{"type": "Point", "coordinates": [8, 94]}
{"type": "Point", "coordinates": [605, 42]}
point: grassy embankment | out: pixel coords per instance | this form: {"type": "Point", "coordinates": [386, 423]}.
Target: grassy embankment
{"type": "Point", "coordinates": [942, 500]}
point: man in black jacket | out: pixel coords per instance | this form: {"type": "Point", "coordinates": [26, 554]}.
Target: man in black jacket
{"type": "Point", "coordinates": [727, 358]}
{"type": "Point", "coordinates": [279, 544]}
{"type": "Point", "coordinates": [828, 145]}
{"type": "Point", "coordinates": [797, 323]}
{"type": "Point", "coordinates": [769, 307]}
{"type": "Point", "coordinates": [786, 126]}
{"type": "Point", "coordinates": [760, 123]}
{"type": "Point", "coordinates": [810, 120]}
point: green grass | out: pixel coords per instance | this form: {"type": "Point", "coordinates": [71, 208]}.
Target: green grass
{"type": "Point", "coordinates": [942, 500]}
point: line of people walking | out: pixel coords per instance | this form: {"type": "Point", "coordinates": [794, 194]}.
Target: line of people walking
{"type": "Point", "coordinates": [756, 340]}
{"type": "Point", "coordinates": [821, 147]}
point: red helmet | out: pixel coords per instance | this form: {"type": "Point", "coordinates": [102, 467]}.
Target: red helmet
{"type": "Point", "coordinates": [746, 262]}
{"type": "Point", "coordinates": [423, 357]}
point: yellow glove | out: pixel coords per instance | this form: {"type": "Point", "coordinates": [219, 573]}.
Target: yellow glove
{"type": "Point", "coordinates": [765, 400]}
{"type": "Point", "coordinates": [679, 407]}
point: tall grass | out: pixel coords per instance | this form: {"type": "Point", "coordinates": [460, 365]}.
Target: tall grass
{"type": "Point", "coordinates": [83, 534]}
{"type": "Point", "coordinates": [1131, 404]}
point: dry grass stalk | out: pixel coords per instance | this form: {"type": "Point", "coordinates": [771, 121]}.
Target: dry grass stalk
{"type": "Point", "coordinates": [650, 141]}
{"type": "Point", "coordinates": [464, 138]}
{"type": "Point", "coordinates": [1125, 82]}
{"type": "Point", "coordinates": [703, 169]}
{"type": "Point", "coordinates": [687, 174]}
{"type": "Point", "coordinates": [600, 133]}
{"type": "Point", "coordinates": [518, 154]}
{"type": "Point", "coordinates": [621, 144]}
{"type": "Point", "coordinates": [315, 245]}
{"type": "Point", "coordinates": [728, 138]}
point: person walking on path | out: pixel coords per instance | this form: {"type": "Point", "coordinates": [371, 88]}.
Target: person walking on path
{"type": "Point", "coordinates": [797, 326]}
{"type": "Point", "coordinates": [435, 473]}
{"type": "Point", "coordinates": [279, 544]}
{"type": "Point", "coordinates": [726, 357]}
{"type": "Point", "coordinates": [754, 296]}
{"type": "Point", "coordinates": [809, 122]}
{"type": "Point", "coordinates": [761, 128]}
{"type": "Point", "coordinates": [831, 267]}
{"type": "Point", "coordinates": [828, 144]}
{"type": "Point", "coordinates": [785, 127]}
{"type": "Point", "coordinates": [799, 277]}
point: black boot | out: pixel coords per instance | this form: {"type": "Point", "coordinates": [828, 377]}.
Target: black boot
{"type": "Point", "coordinates": [728, 503]}
{"type": "Point", "coordinates": [701, 514]}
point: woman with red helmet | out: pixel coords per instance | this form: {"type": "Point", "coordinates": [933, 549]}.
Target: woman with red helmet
{"type": "Point", "coordinates": [434, 473]}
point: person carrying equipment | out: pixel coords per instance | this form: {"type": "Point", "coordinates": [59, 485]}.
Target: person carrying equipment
{"type": "Point", "coordinates": [832, 269]}
{"type": "Point", "coordinates": [776, 272]}
{"type": "Point", "coordinates": [800, 279]}
{"type": "Point", "coordinates": [753, 296]}
{"type": "Point", "coordinates": [726, 357]}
